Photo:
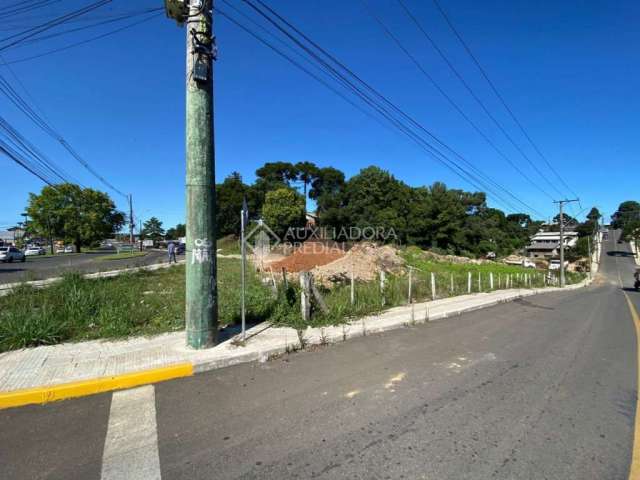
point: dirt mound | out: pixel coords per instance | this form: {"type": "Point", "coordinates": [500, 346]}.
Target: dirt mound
{"type": "Point", "coordinates": [308, 256]}
{"type": "Point", "coordinates": [452, 258]}
{"type": "Point", "coordinates": [365, 260]}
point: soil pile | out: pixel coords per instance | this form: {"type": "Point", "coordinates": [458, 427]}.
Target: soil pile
{"type": "Point", "coordinates": [365, 260]}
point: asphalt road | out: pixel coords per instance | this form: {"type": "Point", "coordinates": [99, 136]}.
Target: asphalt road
{"type": "Point", "coordinates": [39, 268]}
{"type": "Point", "coordinates": [543, 388]}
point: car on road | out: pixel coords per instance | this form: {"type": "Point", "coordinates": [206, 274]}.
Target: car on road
{"type": "Point", "coordinates": [63, 249]}
{"type": "Point", "coordinates": [11, 254]}
{"type": "Point", "coordinates": [34, 250]}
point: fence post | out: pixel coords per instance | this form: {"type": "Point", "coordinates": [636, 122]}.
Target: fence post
{"type": "Point", "coordinates": [433, 286]}
{"type": "Point", "coordinates": [305, 295]}
{"type": "Point", "coordinates": [317, 296]}
{"type": "Point", "coordinates": [410, 281]}
{"type": "Point", "coordinates": [285, 281]}
{"type": "Point", "coordinates": [382, 286]}
{"type": "Point", "coordinates": [469, 282]}
{"type": "Point", "coordinates": [491, 280]}
{"type": "Point", "coordinates": [353, 287]}
{"type": "Point", "coordinates": [479, 281]}
{"type": "Point", "coordinates": [452, 287]}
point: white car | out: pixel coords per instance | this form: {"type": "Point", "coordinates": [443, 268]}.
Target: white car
{"type": "Point", "coordinates": [526, 263]}
{"type": "Point", "coordinates": [555, 264]}
{"type": "Point", "coordinates": [68, 249]}
{"type": "Point", "coordinates": [34, 250]}
{"type": "Point", "coordinates": [11, 254]}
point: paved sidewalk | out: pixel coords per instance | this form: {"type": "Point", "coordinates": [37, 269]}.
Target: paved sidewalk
{"type": "Point", "coordinates": [72, 362]}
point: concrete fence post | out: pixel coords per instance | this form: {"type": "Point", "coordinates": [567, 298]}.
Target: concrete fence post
{"type": "Point", "coordinates": [353, 287]}
{"type": "Point", "coordinates": [491, 280]}
{"type": "Point", "coordinates": [479, 281]}
{"type": "Point", "coordinates": [451, 286]}
{"type": "Point", "coordinates": [410, 281]}
{"type": "Point", "coordinates": [382, 281]}
{"type": "Point", "coordinates": [305, 295]}
{"type": "Point", "coordinates": [469, 282]}
{"type": "Point", "coordinates": [433, 286]}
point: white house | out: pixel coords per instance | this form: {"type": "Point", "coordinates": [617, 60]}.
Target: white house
{"type": "Point", "coordinates": [546, 244]}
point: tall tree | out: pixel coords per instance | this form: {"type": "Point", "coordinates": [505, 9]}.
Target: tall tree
{"type": "Point", "coordinates": [73, 214]}
{"type": "Point", "coordinates": [152, 229]}
{"type": "Point", "coordinates": [307, 172]}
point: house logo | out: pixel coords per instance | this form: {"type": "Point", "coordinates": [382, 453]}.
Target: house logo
{"type": "Point", "coordinates": [261, 239]}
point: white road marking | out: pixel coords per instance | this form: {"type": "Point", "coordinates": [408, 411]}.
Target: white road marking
{"type": "Point", "coordinates": [131, 446]}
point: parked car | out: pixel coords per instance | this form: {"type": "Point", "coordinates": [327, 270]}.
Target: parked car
{"type": "Point", "coordinates": [526, 263]}
{"type": "Point", "coordinates": [11, 254]}
{"type": "Point", "coordinates": [34, 250]}
{"type": "Point", "coordinates": [554, 264]}
{"type": "Point", "coordinates": [68, 249]}
{"type": "Point", "coordinates": [180, 249]}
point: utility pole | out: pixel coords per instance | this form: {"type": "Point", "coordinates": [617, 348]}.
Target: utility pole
{"type": "Point", "coordinates": [201, 315]}
{"type": "Point", "coordinates": [561, 204]}
{"type": "Point", "coordinates": [131, 222]}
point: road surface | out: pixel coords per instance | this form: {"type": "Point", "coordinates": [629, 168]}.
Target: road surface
{"type": "Point", "coordinates": [39, 268]}
{"type": "Point", "coordinates": [542, 388]}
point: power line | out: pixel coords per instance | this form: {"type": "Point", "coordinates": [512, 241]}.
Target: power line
{"type": "Point", "coordinates": [395, 39]}
{"type": "Point", "coordinates": [374, 99]}
{"type": "Point", "coordinates": [500, 97]}
{"type": "Point", "coordinates": [82, 42]}
{"type": "Point", "coordinates": [30, 113]}
{"type": "Point", "coordinates": [20, 37]}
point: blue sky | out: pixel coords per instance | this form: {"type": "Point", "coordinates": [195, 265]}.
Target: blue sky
{"type": "Point", "coordinates": [569, 70]}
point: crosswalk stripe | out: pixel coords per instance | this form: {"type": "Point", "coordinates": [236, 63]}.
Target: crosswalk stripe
{"type": "Point", "coordinates": [131, 446]}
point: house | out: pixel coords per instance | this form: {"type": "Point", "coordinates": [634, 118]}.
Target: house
{"type": "Point", "coordinates": [545, 245]}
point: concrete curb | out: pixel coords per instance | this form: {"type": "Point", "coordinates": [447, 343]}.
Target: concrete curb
{"type": "Point", "coordinates": [43, 374]}
{"type": "Point", "coordinates": [52, 393]}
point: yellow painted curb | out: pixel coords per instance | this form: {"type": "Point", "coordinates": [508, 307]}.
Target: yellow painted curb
{"type": "Point", "coordinates": [82, 388]}
{"type": "Point", "coordinates": [634, 470]}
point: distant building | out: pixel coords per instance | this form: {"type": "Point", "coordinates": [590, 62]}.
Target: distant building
{"type": "Point", "coordinates": [546, 245]}
{"type": "Point", "coordinates": [10, 236]}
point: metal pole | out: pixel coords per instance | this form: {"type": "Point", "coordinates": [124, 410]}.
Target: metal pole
{"type": "Point", "coordinates": [590, 259]}
{"type": "Point", "coordinates": [561, 246]}
{"type": "Point", "coordinates": [201, 293]}
{"type": "Point", "coordinates": [131, 224]}
{"type": "Point", "coordinates": [242, 272]}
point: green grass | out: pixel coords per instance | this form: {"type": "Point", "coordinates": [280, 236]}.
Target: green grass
{"type": "Point", "coordinates": [142, 303]}
{"type": "Point", "coordinates": [119, 256]}
{"type": "Point", "coordinates": [146, 303]}
{"type": "Point", "coordinates": [229, 245]}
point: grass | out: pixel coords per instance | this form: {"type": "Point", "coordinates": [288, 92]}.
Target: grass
{"type": "Point", "coordinates": [119, 256]}
{"type": "Point", "coordinates": [142, 303]}
{"type": "Point", "coordinates": [229, 245]}
{"type": "Point", "coordinates": [146, 303]}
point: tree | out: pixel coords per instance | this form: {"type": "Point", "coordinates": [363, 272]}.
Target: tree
{"type": "Point", "coordinates": [229, 195]}
{"type": "Point", "coordinates": [283, 208]}
{"type": "Point", "coordinates": [628, 211]}
{"type": "Point", "coordinates": [180, 230]}
{"type": "Point", "coordinates": [73, 214]}
{"type": "Point", "coordinates": [152, 229]}
{"type": "Point", "coordinates": [307, 172]}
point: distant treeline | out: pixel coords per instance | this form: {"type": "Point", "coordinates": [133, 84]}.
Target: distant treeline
{"type": "Point", "coordinates": [435, 217]}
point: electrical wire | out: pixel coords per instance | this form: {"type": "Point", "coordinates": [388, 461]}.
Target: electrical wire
{"type": "Point", "coordinates": [500, 96]}
{"type": "Point", "coordinates": [373, 98]}
{"type": "Point", "coordinates": [450, 100]}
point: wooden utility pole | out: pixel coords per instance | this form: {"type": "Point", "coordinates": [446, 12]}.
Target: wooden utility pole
{"type": "Point", "coordinates": [201, 315]}
{"type": "Point", "coordinates": [561, 204]}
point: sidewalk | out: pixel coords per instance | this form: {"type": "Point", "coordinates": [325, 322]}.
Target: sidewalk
{"type": "Point", "coordinates": [48, 373]}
